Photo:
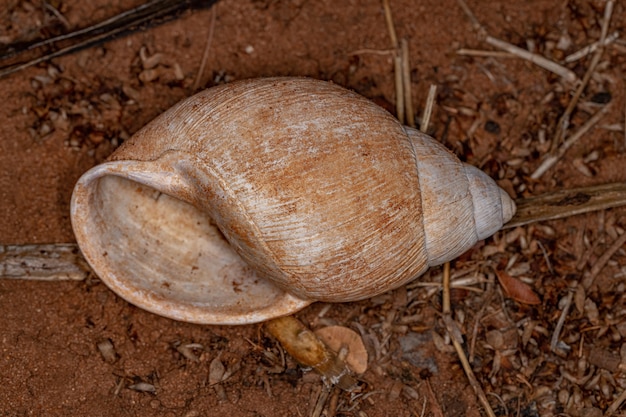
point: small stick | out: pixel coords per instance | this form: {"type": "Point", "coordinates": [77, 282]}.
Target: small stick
{"type": "Point", "coordinates": [406, 82]}
{"type": "Point", "coordinates": [460, 283]}
{"type": "Point", "coordinates": [591, 48]}
{"type": "Point", "coordinates": [397, 61]}
{"type": "Point", "coordinates": [483, 53]}
{"type": "Point", "coordinates": [433, 287]}
{"type": "Point", "coordinates": [608, 12]}
{"type": "Point", "coordinates": [563, 123]}
{"type": "Point", "coordinates": [321, 402]}
{"type": "Point", "coordinates": [602, 260]}
{"type": "Point", "coordinates": [559, 325]}
{"type": "Point", "coordinates": [552, 158]}
{"type": "Point", "coordinates": [152, 13]}
{"type": "Point", "coordinates": [468, 12]}
{"type": "Point", "coordinates": [477, 318]}
{"type": "Point", "coordinates": [372, 51]}
{"type": "Point", "coordinates": [447, 308]}
{"type": "Point", "coordinates": [423, 407]}
{"type": "Point", "coordinates": [332, 404]}
{"type": "Point", "coordinates": [207, 48]}
{"type": "Point", "coordinates": [57, 14]}
{"type": "Point", "coordinates": [536, 59]}
{"type": "Point", "coordinates": [436, 408]}
{"type": "Point", "coordinates": [565, 203]}
{"type": "Point", "coordinates": [616, 404]}
{"type": "Point", "coordinates": [390, 25]}
{"type": "Point", "coordinates": [399, 88]}
{"type": "Point", "coordinates": [546, 258]}
{"type": "Point", "coordinates": [453, 332]}
{"type": "Point", "coordinates": [467, 368]}
{"type": "Point", "coordinates": [58, 262]}
{"type": "Point", "coordinates": [428, 110]}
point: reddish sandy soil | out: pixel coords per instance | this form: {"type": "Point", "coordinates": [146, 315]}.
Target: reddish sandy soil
{"type": "Point", "coordinates": [60, 118]}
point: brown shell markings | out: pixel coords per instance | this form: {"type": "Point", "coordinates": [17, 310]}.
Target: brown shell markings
{"type": "Point", "coordinates": [280, 192]}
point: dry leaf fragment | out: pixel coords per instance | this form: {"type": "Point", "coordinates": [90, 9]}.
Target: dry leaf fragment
{"type": "Point", "coordinates": [216, 371]}
{"type": "Point", "coordinates": [517, 290]}
{"type": "Point", "coordinates": [591, 311]}
{"type": "Point", "coordinates": [142, 387]}
{"type": "Point", "coordinates": [107, 350]}
{"type": "Point", "coordinates": [187, 350]}
{"type": "Point", "coordinates": [335, 337]}
{"type": "Point", "coordinates": [494, 339]}
{"type": "Point", "coordinates": [604, 359]}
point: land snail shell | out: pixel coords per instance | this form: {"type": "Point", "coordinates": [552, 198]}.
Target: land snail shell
{"type": "Point", "coordinates": [251, 200]}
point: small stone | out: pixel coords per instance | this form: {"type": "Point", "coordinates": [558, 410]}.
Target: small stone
{"type": "Point", "coordinates": [216, 371]}
{"type": "Point", "coordinates": [413, 351]}
{"type": "Point", "coordinates": [492, 127]}
{"type": "Point", "coordinates": [602, 97]}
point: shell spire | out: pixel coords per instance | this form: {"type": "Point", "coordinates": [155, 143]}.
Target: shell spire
{"type": "Point", "coordinates": [460, 203]}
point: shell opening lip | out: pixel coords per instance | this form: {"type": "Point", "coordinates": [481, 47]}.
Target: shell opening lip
{"type": "Point", "coordinates": [163, 254]}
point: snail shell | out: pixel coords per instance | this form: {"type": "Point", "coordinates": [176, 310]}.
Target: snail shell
{"type": "Point", "coordinates": [253, 199]}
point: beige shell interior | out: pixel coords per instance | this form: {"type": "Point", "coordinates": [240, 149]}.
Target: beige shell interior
{"type": "Point", "coordinates": [181, 268]}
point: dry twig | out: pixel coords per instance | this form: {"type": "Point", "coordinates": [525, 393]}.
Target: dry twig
{"type": "Point", "coordinates": [402, 81]}
{"type": "Point", "coordinates": [536, 59]}
{"type": "Point", "coordinates": [563, 123]}
{"type": "Point", "coordinates": [566, 203]}
{"type": "Point", "coordinates": [470, 15]}
{"type": "Point", "coordinates": [207, 48]}
{"type": "Point", "coordinates": [554, 341]}
{"type": "Point", "coordinates": [467, 367]}
{"type": "Point", "coordinates": [372, 51]}
{"type": "Point", "coordinates": [447, 307]}
{"type": "Point", "coordinates": [552, 158]}
{"type": "Point", "coordinates": [399, 88]}
{"type": "Point", "coordinates": [454, 333]}
{"type": "Point", "coordinates": [602, 260]}
{"type": "Point", "coordinates": [567, 74]}
{"type": "Point", "coordinates": [54, 262]}
{"type": "Point", "coordinates": [321, 401]}
{"type": "Point", "coordinates": [435, 407]}
{"type": "Point", "coordinates": [483, 53]}
{"type": "Point", "coordinates": [150, 14]}
{"type": "Point", "coordinates": [406, 82]}
{"type": "Point", "coordinates": [390, 25]}
{"type": "Point", "coordinates": [589, 49]}
{"type": "Point", "coordinates": [616, 404]}
{"type": "Point", "coordinates": [428, 110]}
